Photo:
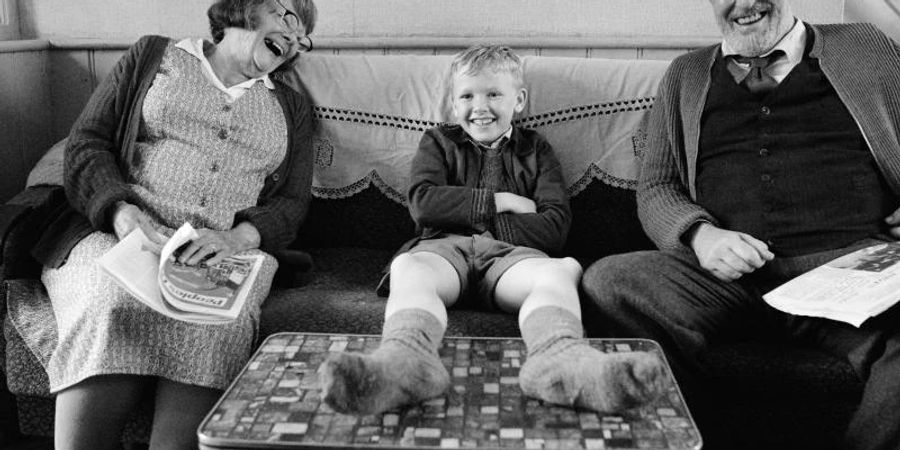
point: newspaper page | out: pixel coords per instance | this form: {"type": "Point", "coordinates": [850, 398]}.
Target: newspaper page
{"type": "Point", "coordinates": [219, 290]}
{"type": "Point", "coordinates": [133, 265]}
{"type": "Point", "coordinates": [850, 289]}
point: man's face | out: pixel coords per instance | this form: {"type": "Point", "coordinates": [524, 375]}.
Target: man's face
{"type": "Point", "coordinates": [752, 27]}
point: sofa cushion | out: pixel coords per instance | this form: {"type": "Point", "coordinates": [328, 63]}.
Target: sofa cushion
{"type": "Point", "coordinates": [49, 169]}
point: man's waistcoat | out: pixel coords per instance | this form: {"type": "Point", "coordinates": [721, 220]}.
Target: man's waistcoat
{"type": "Point", "coordinates": [789, 167]}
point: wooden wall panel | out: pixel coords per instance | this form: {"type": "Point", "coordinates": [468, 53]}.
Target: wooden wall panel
{"type": "Point", "coordinates": [367, 19]}
{"type": "Point", "coordinates": [25, 117]}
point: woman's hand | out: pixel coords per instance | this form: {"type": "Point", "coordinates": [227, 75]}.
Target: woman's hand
{"type": "Point", "coordinates": [128, 217]}
{"type": "Point", "coordinates": [213, 246]}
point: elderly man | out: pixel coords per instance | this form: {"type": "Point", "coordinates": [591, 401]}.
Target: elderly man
{"type": "Point", "coordinates": [769, 155]}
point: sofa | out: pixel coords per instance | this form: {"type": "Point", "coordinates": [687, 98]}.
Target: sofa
{"type": "Point", "coordinates": [372, 111]}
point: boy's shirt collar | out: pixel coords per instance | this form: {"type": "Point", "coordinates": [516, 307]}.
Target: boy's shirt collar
{"type": "Point", "coordinates": [497, 144]}
{"type": "Point", "coordinates": [455, 133]}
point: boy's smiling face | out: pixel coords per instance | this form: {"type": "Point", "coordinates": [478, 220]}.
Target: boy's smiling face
{"type": "Point", "coordinates": [484, 103]}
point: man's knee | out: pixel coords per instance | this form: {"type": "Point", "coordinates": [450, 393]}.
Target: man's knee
{"type": "Point", "coordinates": [606, 274]}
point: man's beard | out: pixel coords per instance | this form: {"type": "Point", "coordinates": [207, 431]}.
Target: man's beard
{"type": "Point", "coordinates": [754, 44]}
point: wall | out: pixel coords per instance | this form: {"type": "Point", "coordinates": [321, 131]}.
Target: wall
{"type": "Point", "coordinates": [884, 13]}
{"type": "Point", "coordinates": [9, 20]}
{"type": "Point", "coordinates": [376, 24]}
{"type": "Point", "coordinates": [25, 116]}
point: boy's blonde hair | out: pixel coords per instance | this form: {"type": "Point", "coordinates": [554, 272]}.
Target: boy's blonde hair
{"type": "Point", "coordinates": [497, 58]}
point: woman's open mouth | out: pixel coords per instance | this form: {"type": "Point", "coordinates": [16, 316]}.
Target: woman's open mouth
{"type": "Point", "coordinates": [273, 47]}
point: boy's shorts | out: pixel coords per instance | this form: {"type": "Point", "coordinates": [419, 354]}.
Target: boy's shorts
{"type": "Point", "coordinates": [479, 261]}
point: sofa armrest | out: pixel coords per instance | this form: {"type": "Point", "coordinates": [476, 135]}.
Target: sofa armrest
{"type": "Point", "coordinates": [23, 220]}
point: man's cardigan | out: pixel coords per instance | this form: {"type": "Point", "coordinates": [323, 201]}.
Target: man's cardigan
{"type": "Point", "coordinates": [861, 63]}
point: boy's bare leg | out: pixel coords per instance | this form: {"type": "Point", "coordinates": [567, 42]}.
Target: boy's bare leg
{"type": "Point", "coordinates": [562, 368]}
{"type": "Point", "coordinates": [406, 368]}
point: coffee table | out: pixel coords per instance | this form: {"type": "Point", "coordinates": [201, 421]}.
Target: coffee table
{"type": "Point", "coordinates": [275, 403]}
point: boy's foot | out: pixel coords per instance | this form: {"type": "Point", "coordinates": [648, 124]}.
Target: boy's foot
{"type": "Point", "coordinates": [405, 369]}
{"type": "Point", "coordinates": [392, 376]}
{"type": "Point", "coordinates": [570, 372]}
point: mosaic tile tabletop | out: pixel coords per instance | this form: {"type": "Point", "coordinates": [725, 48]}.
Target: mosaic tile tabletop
{"type": "Point", "coordinates": [275, 403]}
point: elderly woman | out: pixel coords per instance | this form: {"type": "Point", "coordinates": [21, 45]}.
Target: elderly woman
{"type": "Point", "coordinates": [187, 131]}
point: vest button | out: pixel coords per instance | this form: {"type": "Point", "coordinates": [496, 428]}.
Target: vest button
{"type": "Point", "coordinates": [223, 134]}
{"type": "Point", "coordinates": [766, 177]}
{"type": "Point", "coordinates": [276, 177]}
{"type": "Point", "coordinates": [226, 108]}
{"type": "Point", "coordinates": [764, 152]}
{"type": "Point", "coordinates": [765, 110]}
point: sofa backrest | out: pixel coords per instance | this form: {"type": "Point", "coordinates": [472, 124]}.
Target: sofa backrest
{"type": "Point", "coordinates": [373, 110]}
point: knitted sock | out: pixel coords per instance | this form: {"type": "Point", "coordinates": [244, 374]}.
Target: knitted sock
{"type": "Point", "coordinates": [562, 368]}
{"type": "Point", "coordinates": [404, 369]}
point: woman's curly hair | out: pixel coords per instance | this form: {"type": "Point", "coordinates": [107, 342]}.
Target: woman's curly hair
{"type": "Point", "coordinates": [243, 14]}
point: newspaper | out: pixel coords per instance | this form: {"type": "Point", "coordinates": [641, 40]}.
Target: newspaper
{"type": "Point", "coordinates": [849, 289]}
{"type": "Point", "coordinates": [199, 293]}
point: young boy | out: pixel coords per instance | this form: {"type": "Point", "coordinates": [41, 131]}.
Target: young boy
{"type": "Point", "coordinates": [490, 200]}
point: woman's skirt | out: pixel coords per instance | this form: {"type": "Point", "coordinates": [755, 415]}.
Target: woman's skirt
{"type": "Point", "coordinates": [102, 330]}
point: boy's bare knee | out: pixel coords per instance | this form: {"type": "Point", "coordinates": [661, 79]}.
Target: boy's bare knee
{"type": "Point", "coordinates": [571, 265]}
{"type": "Point", "coordinates": [403, 263]}
{"type": "Point", "coordinates": [555, 269]}
{"type": "Point", "coordinates": [413, 263]}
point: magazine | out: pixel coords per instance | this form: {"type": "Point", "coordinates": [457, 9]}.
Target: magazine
{"type": "Point", "coordinates": [850, 289]}
{"type": "Point", "coordinates": [199, 293]}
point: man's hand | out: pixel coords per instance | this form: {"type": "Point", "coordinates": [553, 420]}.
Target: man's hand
{"type": "Point", "coordinates": [213, 246]}
{"type": "Point", "coordinates": [128, 217]}
{"type": "Point", "coordinates": [509, 202]}
{"type": "Point", "coordinates": [894, 221]}
{"type": "Point", "coordinates": [728, 254]}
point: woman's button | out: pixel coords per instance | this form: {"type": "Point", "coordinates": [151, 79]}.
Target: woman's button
{"type": "Point", "coordinates": [226, 108]}
{"type": "Point", "coordinates": [223, 134]}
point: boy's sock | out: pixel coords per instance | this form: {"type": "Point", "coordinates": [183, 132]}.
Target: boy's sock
{"type": "Point", "coordinates": [404, 369]}
{"type": "Point", "coordinates": [562, 368]}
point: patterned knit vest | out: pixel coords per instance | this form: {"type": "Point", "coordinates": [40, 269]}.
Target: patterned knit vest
{"type": "Point", "coordinates": [201, 158]}
{"type": "Point", "coordinates": [789, 167]}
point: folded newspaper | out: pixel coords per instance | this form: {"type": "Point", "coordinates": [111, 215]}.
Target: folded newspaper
{"type": "Point", "coordinates": [850, 289]}
{"type": "Point", "coordinates": [198, 293]}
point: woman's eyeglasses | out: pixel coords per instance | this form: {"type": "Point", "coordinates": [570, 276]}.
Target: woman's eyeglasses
{"type": "Point", "coordinates": [292, 23]}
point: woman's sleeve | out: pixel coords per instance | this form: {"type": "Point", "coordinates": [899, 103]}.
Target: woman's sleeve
{"type": "Point", "coordinates": [91, 176]}
{"type": "Point", "coordinates": [280, 211]}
